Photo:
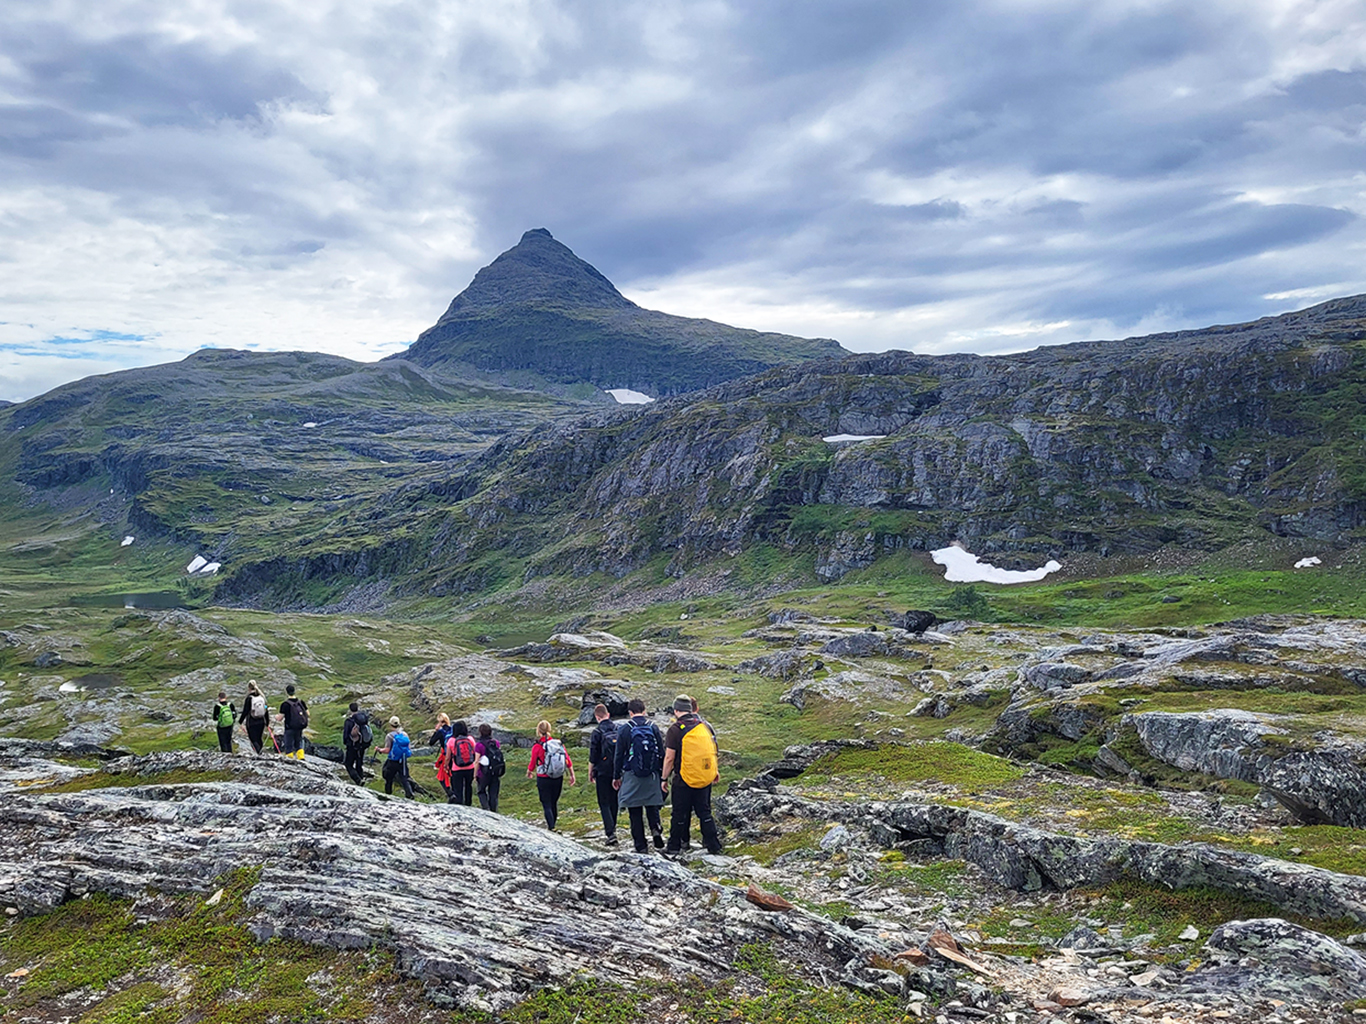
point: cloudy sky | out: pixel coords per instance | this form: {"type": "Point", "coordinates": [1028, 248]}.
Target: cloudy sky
{"type": "Point", "coordinates": [937, 176]}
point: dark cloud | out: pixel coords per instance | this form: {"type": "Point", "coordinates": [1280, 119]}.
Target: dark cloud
{"type": "Point", "coordinates": [147, 79]}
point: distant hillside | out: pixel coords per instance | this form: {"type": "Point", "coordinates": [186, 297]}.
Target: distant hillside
{"type": "Point", "coordinates": [319, 482]}
{"type": "Point", "coordinates": [540, 310]}
{"type": "Point", "coordinates": [243, 453]}
{"type": "Point", "coordinates": [1200, 440]}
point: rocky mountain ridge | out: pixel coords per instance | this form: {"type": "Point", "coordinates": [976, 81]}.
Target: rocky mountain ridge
{"type": "Point", "coordinates": [313, 480]}
{"type": "Point", "coordinates": [1197, 440]}
{"type": "Point", "coordinates": [538, 312]}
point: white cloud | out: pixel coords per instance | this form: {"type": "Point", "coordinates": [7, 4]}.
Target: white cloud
{"type": "Point", "coordinates": [985, 175]}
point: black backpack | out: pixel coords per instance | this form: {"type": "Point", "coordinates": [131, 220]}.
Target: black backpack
{"type": "Point", "coordinates": [643, 760]}
{"type": "Point", "coordinates": [497, 765]}
{"type": "Point", "coordinates": [359, 735]}
{"type": "Point", "coordinates": [607, 748]}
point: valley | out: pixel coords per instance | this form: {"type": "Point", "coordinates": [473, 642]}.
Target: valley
{"type": "Point", "coordinates": [1131, 788]}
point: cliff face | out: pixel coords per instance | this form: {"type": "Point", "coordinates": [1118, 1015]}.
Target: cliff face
{"type": "Point", "coordinates": [538, 309]}
{"type": "Point", "coordinates": [1201, 438]}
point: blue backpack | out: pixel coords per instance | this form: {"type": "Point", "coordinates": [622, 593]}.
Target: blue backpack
{"type": "Point", "coordinates": [643, 761]}
{"type": "Point", "coordinates": [399, 749]}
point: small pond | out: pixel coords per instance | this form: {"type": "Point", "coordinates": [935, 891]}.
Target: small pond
{"type": "Point", "coordinates": [93, 681]}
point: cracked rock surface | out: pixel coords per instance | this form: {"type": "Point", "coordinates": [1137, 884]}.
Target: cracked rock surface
{"type": "Point", "coordinates": [481, 908]}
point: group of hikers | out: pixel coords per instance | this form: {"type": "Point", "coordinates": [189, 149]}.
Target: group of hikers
{"type": "Point", "coordinates": [633, 765]}
{"type": "Point", "coordinates": [255, 721]}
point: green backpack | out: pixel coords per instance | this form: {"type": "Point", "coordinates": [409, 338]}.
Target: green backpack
{"type": "Point", "coordinates": [225, 716]}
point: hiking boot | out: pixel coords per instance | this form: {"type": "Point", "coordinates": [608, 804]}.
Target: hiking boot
{"type": "Point", "coordinates": [611, 840]}
{"type": "Point", "coordinates": [659, 840]}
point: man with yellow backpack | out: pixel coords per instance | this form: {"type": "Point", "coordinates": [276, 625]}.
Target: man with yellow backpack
{"type": "Point", "coordinates": [690, 766]}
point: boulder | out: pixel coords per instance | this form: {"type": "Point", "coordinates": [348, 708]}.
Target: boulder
{"type": "Point", "coordinates": [1226, 743]}
{"type": "Point", "coordinates": [1321, 787]}
{"type": "Point", "coordinates": [779, 665]}
{"type": "Point", "coordinates": [1051, 675]}
{"type": "Point", "coordinates": [1030, 859]}
{"type": "Point", "coordinates": [1274, 959]}
{"type": "Point", "coordinates": [918, 621]}
{"type": "Point", "coordinates": [615, 701]}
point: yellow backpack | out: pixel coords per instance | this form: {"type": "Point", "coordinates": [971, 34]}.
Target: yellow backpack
{"type": "Point", "coordinates": [698, 768]}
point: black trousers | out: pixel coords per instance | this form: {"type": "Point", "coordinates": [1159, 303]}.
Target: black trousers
{"type": "Point", "coordinates": [462, 788]}
{"type": "Point", "coordinates": [355, 758]}
{"type": "Point", "coordinates": [607, 803]}
{"type": "Point", "coordinates": [638, 816]}
{"type": "Point", "coordinates": [294, 741]}
{"type": "Point", "coordinates": [225, 738]}
{"type": "Point", "coordinates": [686, 801]}
{"type": "Point", "coordinates": [488, 793]}
{"type": "Point", "coordinates": [256, 730]}
{"type": "Point", "coordinates": [549, 790]}
{"type": "Point", "coordinates": [397, 770]}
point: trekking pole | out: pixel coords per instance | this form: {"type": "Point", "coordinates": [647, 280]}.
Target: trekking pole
{"type": "Point", "coordinates": [271, 733]}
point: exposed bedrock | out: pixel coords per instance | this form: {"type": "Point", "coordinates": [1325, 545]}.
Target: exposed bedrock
{"type": "Point", "coordinates": [343, 868]}
{"type": "Point", "coordinates": [1027, 858]}
{"type": "Point", "coordinates": [1322, 786]}
{"type": "Point", "coordinates": [1226, 743]}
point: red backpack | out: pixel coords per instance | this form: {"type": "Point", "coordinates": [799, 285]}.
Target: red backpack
{"type": "Point", "coordinates": [462, 752]}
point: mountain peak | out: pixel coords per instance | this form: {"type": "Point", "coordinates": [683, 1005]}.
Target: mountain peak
{"type": "Point", "coordinates": [537, 271]}
{"type": "Point", "coordinates": [540, 316]}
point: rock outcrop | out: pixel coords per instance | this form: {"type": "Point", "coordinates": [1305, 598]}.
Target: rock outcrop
{"type": "Point", "coordinates": [340, 867]}
{"type": "Point", "coordinates": [1026, 858]}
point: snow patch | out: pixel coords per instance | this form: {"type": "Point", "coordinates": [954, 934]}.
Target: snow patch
{"type": "Point", "coordinates": [1305, 563]}
{"type": "Point", "coordinates": [961, 566]}
{"type": "Point", "coordinates": [625, 396]}
{"type": "Point", "coordinates": [847, 438]}
{"type": "Point", "coordinates": [210, 569]}
{"type": "Point", "coordinates": [197, 563]}
{"type": "Point", "coordinates": [126, 541]}
{"type": "Point", "coordinates": [309, 425]}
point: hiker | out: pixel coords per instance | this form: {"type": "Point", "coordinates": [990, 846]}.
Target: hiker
{"type": "Point", "coordinates": [690, 766]}
{"type": "Point", "coordinates": [396, 750]}
{"type": "Point", "coordinates": [438, 740]}
{"type": "Point", "coordinates": [224, 715]}
{"type": "Point", "coordinates": [356, 737]}
{"type": "Point", "coordinates": [489, 777]}
{"type": "Point", "coordinates": [295, 714]}
{"type": "Point", "coordinates": [462, 758]}
{"type": "Point", "coordinates": [602, 759]}
{"type": "Point", "coordinates": [636, 774]}
{"type": "Point", "coordinates": [549, 764]}
{"type": "Point", "coordinates": [255, 715]}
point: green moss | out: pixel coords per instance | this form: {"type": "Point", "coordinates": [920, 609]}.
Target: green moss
{"type": "Point", "coordinates": [948, 878]}
{"type": "Point", "coordinates": [950, 763]}
{"type": "Point", "coordinates": [766, 851]}
{"type": "Point", "coordinates": [111, 780]}
{"type": "Point", "coordinates": [135, 1005]}
{"type": "Point", "coordinates": [1141, 908]}
{"type": "Point", "coordinates": [102, 945]}
{"type": "Point", "coordinates": [1326, 846]}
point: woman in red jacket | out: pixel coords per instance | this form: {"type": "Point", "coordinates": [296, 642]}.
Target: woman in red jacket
{"type": "Point", "coordinates": [549, 764]}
